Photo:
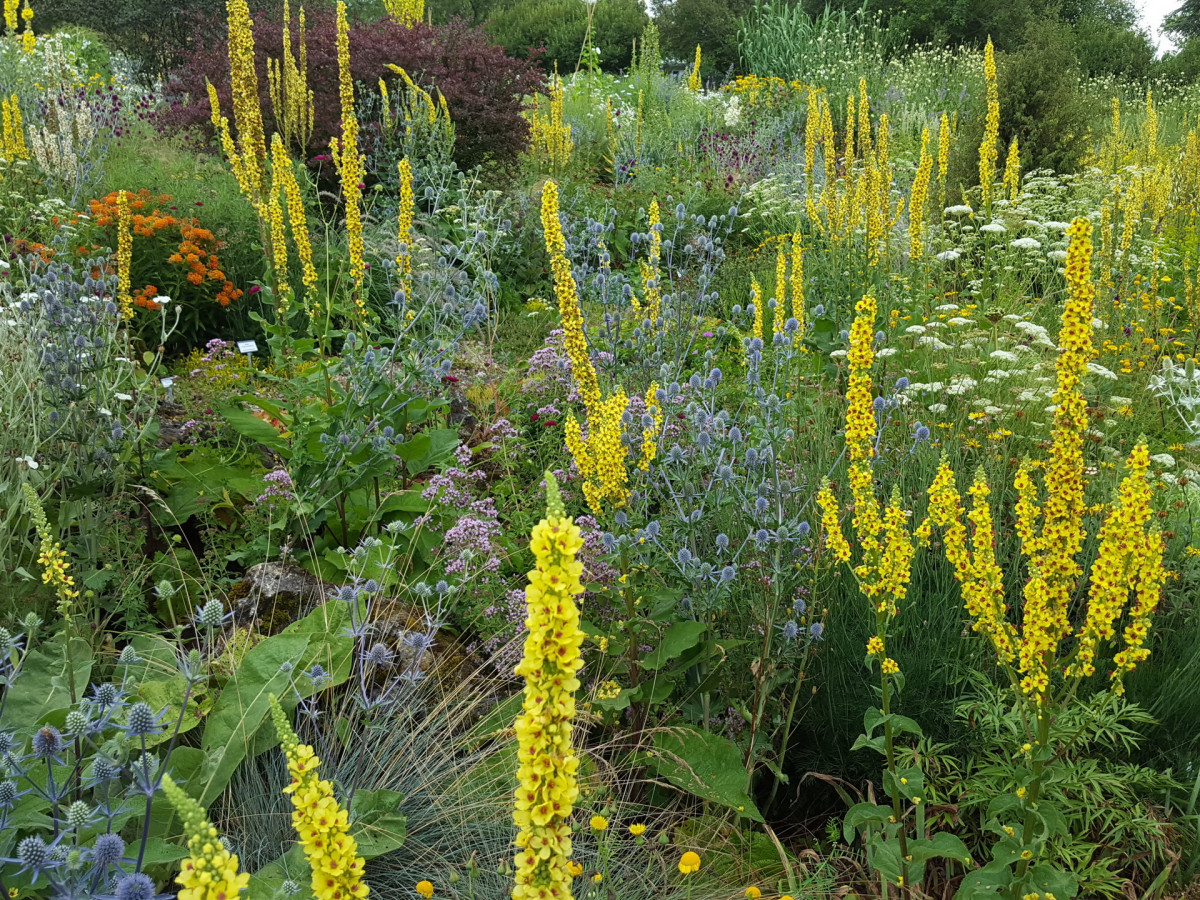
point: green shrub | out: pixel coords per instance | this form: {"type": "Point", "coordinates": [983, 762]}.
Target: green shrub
{"type": "Point", "coordinates": [713, 24]}
{"type": "Point", "coordinates": [1105, 48]}
{"type": "Point", "coordinates": [560, 26]}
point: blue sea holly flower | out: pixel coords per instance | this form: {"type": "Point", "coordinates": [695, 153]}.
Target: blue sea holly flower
{"type": "Point", "coordinates": [816, 630]}
{"type": "Point", "coordinates": [48, 743]}
{"type": "Point", "coordinates": [141, 720]}
{"type": "Point", "coordinates": [789, 630]}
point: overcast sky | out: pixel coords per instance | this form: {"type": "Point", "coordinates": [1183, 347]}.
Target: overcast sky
{"type": "Point", "coordinates": [1153, 12]}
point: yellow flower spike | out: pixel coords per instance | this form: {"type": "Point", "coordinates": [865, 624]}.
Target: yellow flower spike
{"type": "Point", "coordinates": [247, 114]}
{"type": "Point", "coordinates": [650, 434]}
{"type": "Point", "coordinates": [694, 83]}
{"type": "Point", "coordinates": [404, 234]}
{"type": "Point", "coordinates": [1012, 171]}
{"type": "Point", "coordinates": [10, 14]}
{"type": "Point", "coordinates": [320, 822]}
{"type": "Point", "coordinates": [757, 301]}
{"type": "Point", "coordinates": [546, 761]}
{"type": "Point", "coordinates": [210, 872]}
{"type": "Point", "coordinates": [298, 218]}
{"type": "Point", "coordinates": [28, 40]}
{"type": "Point", "coordinates": [650, 269]}
{"type": "Point", "coordinates": [988, 152]}
{"type": "Point", "coordinates": [781, 286]}
{"type": "Point", "coordinates": [55, 563]}
{"type": "Point", "coordinates": [834, 539]}
{"type": "Point", "coordinates": [349, 162]}
{"type": "Point", "coordinates": [918, 199]}
{"type": "Point", "coordinates": [798, 288]}
{"type": "Point", "coordinates": [124, 255]}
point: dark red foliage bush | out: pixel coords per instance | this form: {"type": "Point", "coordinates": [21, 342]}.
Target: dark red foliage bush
{"type": "Point", "coordinates": [484, 88]}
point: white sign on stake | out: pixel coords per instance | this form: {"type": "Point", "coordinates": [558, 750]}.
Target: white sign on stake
{"type": "Point", "coordinates": [247, 347]}
{"type": "Point", "coordinates": [167, 382]}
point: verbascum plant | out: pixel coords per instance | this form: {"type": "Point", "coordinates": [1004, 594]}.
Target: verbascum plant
{"type": "Point", "coordinates": [406, 12]}
{"type": "Point", "coordinates": [546, 762]}
{"type": "Point", "coordinates": [756, 301]}
{"type": "Point", "coordinates": [652, 423]}
{"type": "Point", "coordinates": [291, 98]}
{"type": "Point", "coordinates": [348, 160]}
{"type": "Point", "coordinates": [694, 82]}
{"type": "Point", "coordinates": [812, 134]}
{"type": "Point", "coordinates": [652, 294]}
{"type": "Point", "coordinates": [1012, 171]}
{"type": "Point", "coordinates": [28, 40]}
{"type": "Point", "coordinates": [279, 249]}
{"type": "Point", "coordinates": [798, 312]}
{"type": "Point", "coordinates": [883, 573]}
{"type": "Point", "coordinates": [210, 871]}
{"type": "Point", "coordinates": [917, 200]}
{"type": "Point", "coordinates": [10, 15]}
{"type": "Point", "coordinates": [404, 231]}
{"type": "Point", "coordinates": [988, 151]}
{"type": "Point", "coordinates": [321, 824]}
{"type": "Point", "coordinates": [13, 133]}
{"type": "Point", "coordinates": [943, 159]}
{"type": "Point", "coordinates": [1046, 669]}
{"type": "Point", "coordinates": [124, 255]}
{"type": "Point", "coordinates": [779, 317]}
{"type": "Point", "coordinates": [251, 139]}
{"type": "Point", "coordinates": [285, 175]}
{"type": "Point", "coordinates": [549, 135]}
{"type": "Point", "coordinates": [56, 565]}
{"type": "Point", "coordinates": [601, 455]}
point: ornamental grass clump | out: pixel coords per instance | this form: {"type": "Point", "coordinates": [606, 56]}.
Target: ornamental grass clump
{"type": "Point", "coordinates": [1047, 658]}
{"type": "Point", "coordinates": [546, 760]}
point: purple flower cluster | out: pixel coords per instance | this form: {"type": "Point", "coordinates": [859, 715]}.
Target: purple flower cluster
{"type": "Point", "coordinates": [279, 489]}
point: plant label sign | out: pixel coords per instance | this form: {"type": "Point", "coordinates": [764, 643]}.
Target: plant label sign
{"type": "Point", "coordinates": [247, 347]}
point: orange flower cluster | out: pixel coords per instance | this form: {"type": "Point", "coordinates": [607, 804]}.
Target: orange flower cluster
{"type": "Point", "coordinates": [196, 251]}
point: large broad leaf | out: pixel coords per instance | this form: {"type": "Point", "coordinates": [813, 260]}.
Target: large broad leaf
{"type": "Point", "coordinates": [246, 423]}
{"type": "Point", "coordinates": [44, 685]}
{"type": "Point", "coordinates": [679, 637]}
{"type": "Point", "coordinates": [705, 765]}
{"type": "Point", "coordinates": [235, 727]}
{"type": "Point", "coordinates": [377, 824]}
{"type": "Point", "coordinates": [426, 449]}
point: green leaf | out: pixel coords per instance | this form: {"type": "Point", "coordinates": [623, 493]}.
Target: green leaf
{"type": "Point", "coordinates": [249, 425]}
{"type": "Point", "coordinates": [942, 845]}
{"type": "Point", "coordinates": [376, 822]}
{"type": "Point", "coordinates": [679, 637]}
{"type": "Point", "coordinates": [984, 883]}
{"type": "Point", "coordinates": [1049, 880]}
{"type": "Point", "coordinates": [878, 744]}
{"type": "Point", "coordinates": [861, 815]}
{"type": "Point", "coordinates": [44, 687]}
{"type": "Point", "coordinates": [1052, 819]}
{"type": "Point", "coordinates": [268, 668]}
{"type": "Point", "coordinates": [705, 765]}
